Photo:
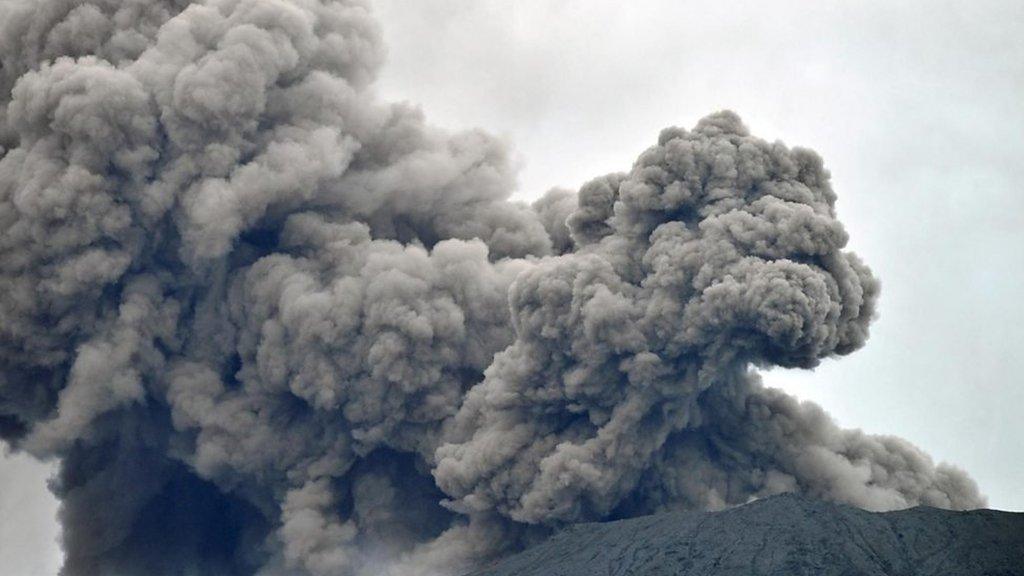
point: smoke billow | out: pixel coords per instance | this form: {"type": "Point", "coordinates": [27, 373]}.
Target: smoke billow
{"type": "Point", "coordinates": [271, 325]}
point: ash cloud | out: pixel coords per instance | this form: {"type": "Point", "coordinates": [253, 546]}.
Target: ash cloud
{"type": "Point", "coordinates": [272, 325]}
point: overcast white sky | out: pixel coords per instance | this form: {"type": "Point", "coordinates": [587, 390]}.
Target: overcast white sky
{"type": "Point", "coordinates": [917, 108]}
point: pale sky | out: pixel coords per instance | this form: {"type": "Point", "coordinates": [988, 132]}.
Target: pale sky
{"type": "Point", "coordinates": [916, 107]}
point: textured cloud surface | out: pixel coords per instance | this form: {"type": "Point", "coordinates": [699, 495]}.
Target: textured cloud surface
{"type": "Point", "coordinates": [271, 325]}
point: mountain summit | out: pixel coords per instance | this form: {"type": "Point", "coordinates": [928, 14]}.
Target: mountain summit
{"type": "Point", "coordinates": [786, 535]}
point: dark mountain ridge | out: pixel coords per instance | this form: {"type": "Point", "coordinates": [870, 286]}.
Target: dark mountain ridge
{"type": "Point", "coordinates": [787, 535]}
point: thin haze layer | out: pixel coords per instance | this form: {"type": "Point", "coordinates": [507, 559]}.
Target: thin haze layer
{"type": "Point", "coordinates": [272, 325]}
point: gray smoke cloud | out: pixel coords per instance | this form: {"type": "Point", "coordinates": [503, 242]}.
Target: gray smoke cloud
{"type": "Point", "coordinates": [271, 325]}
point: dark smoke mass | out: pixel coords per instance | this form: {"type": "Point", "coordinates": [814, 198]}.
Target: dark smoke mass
{"type": "Point", "coordinates": [271, 325]}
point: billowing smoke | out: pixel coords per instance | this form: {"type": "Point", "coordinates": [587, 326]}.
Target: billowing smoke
{"type": "Point", "coordinates": [271, 325]}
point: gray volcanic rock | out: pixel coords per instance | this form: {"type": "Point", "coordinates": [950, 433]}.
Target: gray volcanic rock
{"type": "Point", "coordinates": [784, 535]}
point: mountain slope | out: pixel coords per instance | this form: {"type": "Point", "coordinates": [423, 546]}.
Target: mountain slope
{"type": "Point", "coordinates": [785, 535]}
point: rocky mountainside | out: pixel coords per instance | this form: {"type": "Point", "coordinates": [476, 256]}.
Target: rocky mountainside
{"type": "Point", "coordinates": [785, 535]}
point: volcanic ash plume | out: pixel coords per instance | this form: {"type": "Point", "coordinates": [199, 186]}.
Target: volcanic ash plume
{"type": "Point", "coordinates": [270, 325]}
